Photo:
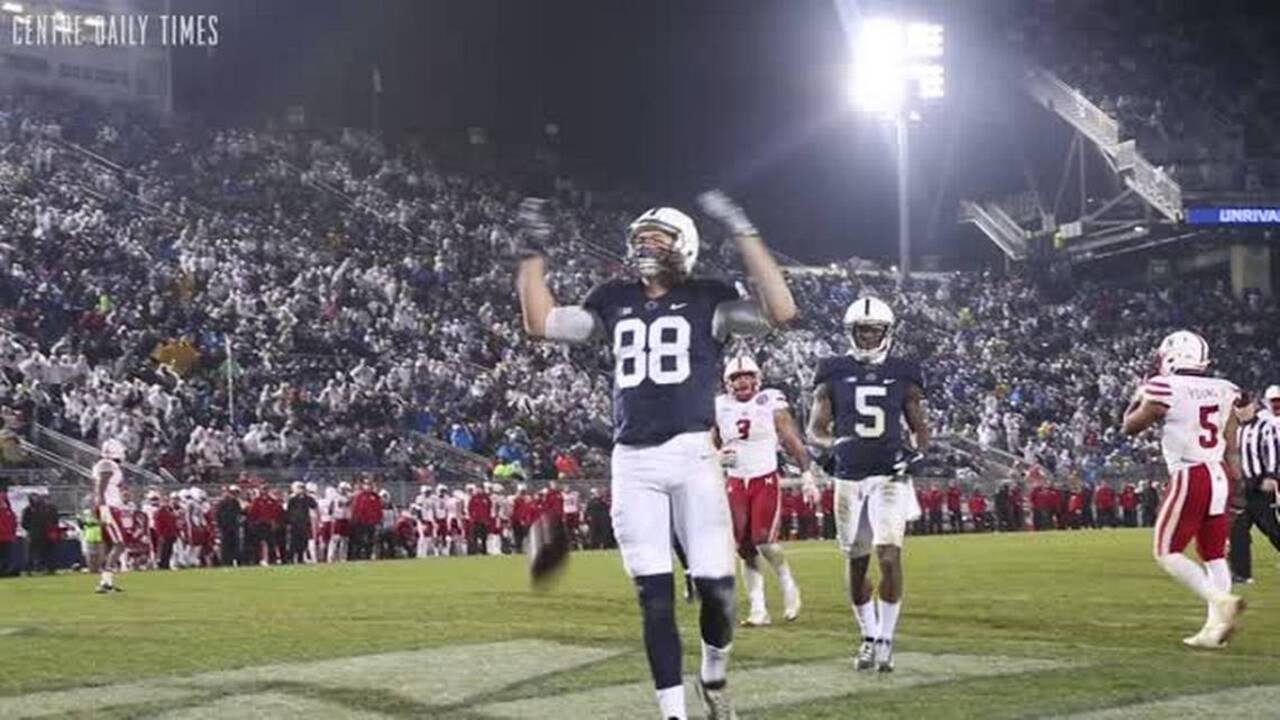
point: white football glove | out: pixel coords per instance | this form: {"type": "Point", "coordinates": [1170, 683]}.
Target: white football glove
{"type": "Point", "coordinates": [807, 479]}
{"type": "Point", "coordinates": [728, 457]}
{"type": "Point", "coordinates": [718, 205]}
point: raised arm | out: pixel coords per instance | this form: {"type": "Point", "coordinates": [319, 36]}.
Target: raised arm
{"type": "Point", "coordinates": [775, 297]}
{"type": "Point", "coordinates": [536, 301]}
{"type": "Point", "coordinates": [542, 318]}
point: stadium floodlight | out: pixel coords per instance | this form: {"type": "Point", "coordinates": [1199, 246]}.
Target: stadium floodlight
{"type": "Point", "coordinates": [12, 7]}
{"type": "Point", "coordinates": [95, 21]}
{"type": "Point", "coordinates": [896, 67]}
{"type": "Point", "coordinates": [895, 63]}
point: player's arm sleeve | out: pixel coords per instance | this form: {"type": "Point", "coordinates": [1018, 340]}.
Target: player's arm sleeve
{"type": "Point", "coordinates": [572, 324]}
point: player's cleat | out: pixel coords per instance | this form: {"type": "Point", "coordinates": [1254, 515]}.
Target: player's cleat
{"type": "Point", "coordinates": [1229, 609]}
{"type": "Point", "coordinates": [866, 657]}
{"type": "Point", "coordinates": [1203, 639]}
{"type": "Point", "coordinates": [1237, 580]}
{"type": "Point", "coordinates": [756, 619]}
{"type": "Point", "coordinates": [116, 588]}
{"type": "Point", "coordinates": [103, 589]}
{"type": "Point", "coordinates": [884, 656]}
{"type": "Point", "coordinates": [690, 589]}
{"type": "Point", "coordinates": [791, 601]}
{"type": "Point", "coordinates": [717, 702]}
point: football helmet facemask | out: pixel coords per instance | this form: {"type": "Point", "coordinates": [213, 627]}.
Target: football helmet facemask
{"type": "Point", "coordinates": [742, 377]}
{"type": "Point", "coordinates": [869, 323]}
{"type": "Point", "coordinates": [649, 258]}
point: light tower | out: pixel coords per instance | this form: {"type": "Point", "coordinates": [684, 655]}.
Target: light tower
{"type": "Point", "coordinates": [897, 69]}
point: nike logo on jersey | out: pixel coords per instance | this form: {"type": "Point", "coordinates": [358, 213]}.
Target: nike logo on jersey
{"type": "Point", "coordinates": [678, 306]}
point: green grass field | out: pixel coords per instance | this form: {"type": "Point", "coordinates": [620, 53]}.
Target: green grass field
{"type": "Point", "coordinates": [993, 626]}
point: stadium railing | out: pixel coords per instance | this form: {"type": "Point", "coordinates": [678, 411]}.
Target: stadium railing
{"type": "Point", "coordinates": [85, 455]}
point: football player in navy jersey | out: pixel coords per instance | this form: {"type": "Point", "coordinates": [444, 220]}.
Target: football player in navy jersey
{"type": "Point", "coordinates": [667, 330]}
{"type": "Point", "coordinates": [860, 402]}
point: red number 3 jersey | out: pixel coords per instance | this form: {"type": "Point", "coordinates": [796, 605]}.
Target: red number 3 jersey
{"type": "Point", "coordinates": [748, 427]}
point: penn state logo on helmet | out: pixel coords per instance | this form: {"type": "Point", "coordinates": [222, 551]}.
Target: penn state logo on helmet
{"type": "Point", "coordinates": [869, 322]}
{"type": "Point", "coordinates": [650, 261]}
{"type": "Point", "coordinates": [1183, 351]}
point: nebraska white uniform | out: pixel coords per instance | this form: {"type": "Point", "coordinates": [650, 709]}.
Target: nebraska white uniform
{"type": "Point", "coordinates": [340, 511]}
{"type": "Point", "coordinates": [755, 494]}
{"type": "Point", "coordinates": [1194, 445]}
{"type": "Point", "coordinates": [749, 428]}
{"type": "Point", "coordinates": [117, 519]}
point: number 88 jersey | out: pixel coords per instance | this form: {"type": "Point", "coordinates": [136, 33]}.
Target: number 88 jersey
{"type": "Point", "coordinates": [867, 406]}
{"type": "Point", "coordinates": [666, 359]}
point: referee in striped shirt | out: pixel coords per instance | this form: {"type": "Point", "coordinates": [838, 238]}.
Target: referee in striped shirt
{"type": "Point", "coordinates": [1259, 442]}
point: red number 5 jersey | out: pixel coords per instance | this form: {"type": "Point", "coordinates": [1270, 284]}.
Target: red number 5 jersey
{"type": "Point", "coordinates": [1196, 422]}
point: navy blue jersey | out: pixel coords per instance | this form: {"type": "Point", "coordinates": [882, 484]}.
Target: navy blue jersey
{"type": "Point", "coordinates": [868, 404]}
{"type": "Point", "coordinates": [666, 361]}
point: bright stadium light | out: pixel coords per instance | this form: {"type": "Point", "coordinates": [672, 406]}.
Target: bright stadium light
{"type": "Point", "coordinates": [898, 67]}
{"type": "Point", "coordinates": [12, 7]}
{"type": "Point", "coordinates": [895, 64]}
{"type": "Point", "coordinates": [95, 21]}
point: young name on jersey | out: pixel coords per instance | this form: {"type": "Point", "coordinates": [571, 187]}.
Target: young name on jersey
{"type": "Point", "coordinates": [867, 404]}
{"type": "Point", "coordinates": [1196, 421]}
{"type": "Point", "coordinates": [666, 359]}
{"type": "Point", "coordinates": [749, 428]}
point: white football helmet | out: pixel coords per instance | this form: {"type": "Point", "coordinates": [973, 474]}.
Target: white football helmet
{"type": "Point", "coordinates": [113, 449]}
{"type": "Point", "coordinates": [1183, 350]}
{"type": "Point", "coordinates": [344, 487]}
{"type": "Point", "coordinates": [684, 246]}
{"type": "Point", "coordinates": [742, 364]}
{"type": "Point", "coordinates": [313, 488]}
{"type": "Point", "coordinates": [869, 312]}
{"type": "Point", "coordinates": [296, 487]}
{"type": "Point", "coordinates": [736, 368]}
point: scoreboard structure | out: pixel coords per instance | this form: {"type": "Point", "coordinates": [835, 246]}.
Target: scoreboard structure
{"type": "Point", "coordinates": [111, 50]}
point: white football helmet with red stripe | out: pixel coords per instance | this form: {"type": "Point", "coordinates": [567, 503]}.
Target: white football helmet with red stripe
{"type": "Point", "coordinates": [1185, 351]}
{"type": "Point", "coordinates": [743, 367]}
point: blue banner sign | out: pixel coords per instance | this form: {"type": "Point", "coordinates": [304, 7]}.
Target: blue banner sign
{"type": "Point", "coordinates": [1233, 215]}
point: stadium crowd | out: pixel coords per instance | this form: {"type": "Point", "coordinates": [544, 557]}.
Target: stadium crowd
{"type": "Point", "coordinates": [1190, 83]}
{"type": "Point", "coordinates": [358, 299]}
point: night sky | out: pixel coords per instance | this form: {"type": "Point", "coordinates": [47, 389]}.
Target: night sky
{"type": "Point", "coordinates": [668, 96]}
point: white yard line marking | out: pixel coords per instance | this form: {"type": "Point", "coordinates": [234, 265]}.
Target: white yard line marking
{"type": "Point", "coordinates": [434, 676]}
{"type": "Point", "coordinates": [277, 706]}
{"type": "Point", "coordinates": [772, 686]}
{"type": "Point", "coordinates": [1259, 702]}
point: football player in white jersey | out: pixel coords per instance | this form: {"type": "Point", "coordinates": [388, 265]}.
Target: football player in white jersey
{"type": "Point", "coordinates": [1200, 448]}
{"type": "Point", "coordinates": [109, 498]}
{"type": "Point", "coordinates": [340, 511]}
{"type": "Point", "coordinates": [750, 422]}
